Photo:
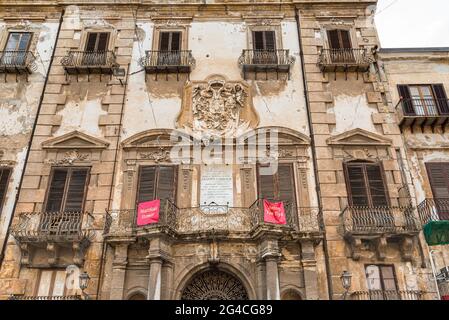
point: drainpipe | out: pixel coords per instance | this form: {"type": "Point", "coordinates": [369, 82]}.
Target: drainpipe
{"type": "Point", "coordinates": [314, 158]}
{"type": "Point", "coordinates": [102, 260]}
{"type": "Point", "coordinates": [33, 130]}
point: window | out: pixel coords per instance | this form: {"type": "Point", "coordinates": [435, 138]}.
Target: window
{"type": "Point", "coordinates": [278, 187]}
{"type": "Point", "coordinates": [4, 178]}
{"type": "Point", "coordinates": [424, 100]}
{"type": "Point", "coordinates": [16, 48]}
{"type": "Point", "coordinates": [339, 39]}
{"type": "Point", "coordinates": [96, 48]}
{"type": "Point", "coordinates": [264, 45]}
{"type": "Point", "coordinates": [366, 186]}
{"type": "Point", "coordinates": [381, 282]}
{"type": "Point", "coordinates": [156, 182]}
{"type": "Point", "coordinates": [67, 190]}
{"type": "Point", "coordinates": [52, 283]}
{"type": "Point", "coordinates": [169, 48]}
{"type": "Point", "coordinates": [439, 181]}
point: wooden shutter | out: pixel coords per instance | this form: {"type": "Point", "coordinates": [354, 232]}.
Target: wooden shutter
{"type": "Point", "coordinates": [18, 41]}
{"type": "Point", "coordinates": [146, 186]}
{"type": "Point", "coordinates": [56, 190]}
{"type": "Point", "coordinates": [170, 41]}
{"type": "Point", "coordinates": [91, 41]}
{"type": "Point", "coordinates": [441, 97]}
{"type": "Point", "coordinates": [404, 93]}
{"type": "Point", "coordinates": [439, 179]}
{"type": "Point", "coordinates": [339, 39]}
{"type": "Point", "coordinates": [266, 186]}
{"type": "Point", "coordinates": [75, 190]}
{"type": "Point", "coordinates": [166, 183]}
{"type": "Point", "coordinates": [366, 186]}
{"type": "Point", "coordinates": [102, 42]}
{"type": "Point", "coordinates": [97, 41]}
{"type": "Point", "coordinates": [264, 40]}
{"type": "Point", "coordinates": [4, 178]}
{"type": "Point", "coordinates": [286, 182]}
{"type": "Point", "coordinates": [376, 185]}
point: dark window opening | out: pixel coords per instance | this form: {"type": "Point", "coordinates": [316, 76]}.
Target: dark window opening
{"type": "Point", "coordinates": [156, 182]}
{"type": "Point", "coordinates": [264, 45]}
{"type": "Point", "coordinates": [5, 173]}
{"type": "Point", "coordinates": [279, 186]}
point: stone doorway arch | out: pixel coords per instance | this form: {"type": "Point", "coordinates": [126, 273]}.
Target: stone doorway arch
{"type": "Point", "coordinates": [214, 284]}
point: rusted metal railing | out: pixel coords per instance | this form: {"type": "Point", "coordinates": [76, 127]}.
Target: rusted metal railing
{"type": "Point", "coordinates": [345, 57]}
{"type": "Point", "coordinates": [89, 59]}
{"type": "Point", "coordinates": [53, 226]}
{"type": "Point", "coordinates": [361, 219]}
{"type": "Point", "coordinates": [387, 295]}
{"type": "Point", "coordinates": [433, 210]}
{"type": "Point", "coordinates": [20, 297]}
{"type": "Point", "coordinates": [11, 61]}
{"type": "Point", "coordinates": [155, 58]}
{"type": "Point", "coordinates": [417, 107]}
{"type": "Point", "coordinates": [279, 57]}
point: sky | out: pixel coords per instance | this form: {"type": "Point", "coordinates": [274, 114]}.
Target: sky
{"type": "Point", "coordinates": [413, 23]}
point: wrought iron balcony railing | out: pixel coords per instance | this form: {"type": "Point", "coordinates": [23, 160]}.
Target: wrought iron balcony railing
{"type": "Point", "coordinates": [387, 295]}
{"type": "Point", "coordinates": [424, 112]}
{"type": "Point", "coordinates": [89, 62]}
{"type": "Point", "coordinates": [278, 60]}
{"type": "Point", "coordinates": [345, 59]}
{"type": "Point", "coordinates": [378, 220]}
{"type": "Point", "coordinates": [20, 297]}
{"type": "Point", "coordinates": [433, 210]}
{"type": "Point", "coordinates": [181, 61]}
{"type": "Point", "coordinates": [17, 62]}
{"type": "Point", "coordinates": [53, 227]}
{"type": "Point", "coordinates": [208, 218]}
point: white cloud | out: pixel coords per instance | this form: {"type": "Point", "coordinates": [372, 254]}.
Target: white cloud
{"type": "Point", "coordinates": [413, 23]}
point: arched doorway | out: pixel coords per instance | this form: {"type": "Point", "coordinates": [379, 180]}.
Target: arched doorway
{"type": "Point", "coordinates": [291, 295]}
{"type": "Point", "coordinates": [214, 285]}
{"type": "Point", "coordinates": [137, 296]}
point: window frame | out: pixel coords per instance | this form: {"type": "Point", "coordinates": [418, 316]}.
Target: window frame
{"type": "Point", "coordinates": [67, 181]}
{"type": "Point", "coordinates": [277, 180]}
{"type": "Point", "coordinates": [346, 166]}
{"type": "Point", "coordinates": [52, 282]}
{"type": "Point", "coordinates": [8, 37]}
{"type": "Point", "coordinates": [108, 40]}
{"type": "Point", "coordinates": [3, 198]}
{"type": "Point", "coordinates": [340, 38]}
{"type": "Point", "coordinates": [382, 280]}
{"type": "Point", "coordinates": [156, 181]}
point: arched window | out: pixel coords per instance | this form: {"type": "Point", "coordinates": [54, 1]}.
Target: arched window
{"type": "Point", "coordinates": [291, 295]}
{"type": "Point", "coordinates": [137, 296]}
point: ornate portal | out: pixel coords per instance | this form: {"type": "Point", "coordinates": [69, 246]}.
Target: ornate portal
{"type": "Point", "coordinates": [214, 285]}
{"type": "Point", "coordinates": [217, 107]}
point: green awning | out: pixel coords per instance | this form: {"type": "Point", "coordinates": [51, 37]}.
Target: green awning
{"type": "Point", "coordinates": [437, 232]}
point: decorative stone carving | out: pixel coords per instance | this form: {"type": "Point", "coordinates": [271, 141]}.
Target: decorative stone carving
{"type": "Point", "coordinates": [217, 107]}
{"type": "Point", "coordinates": [157, 156]}
{"type": "Point", "coordinates": [70, 158]}
{"type": "Point", "coordinates": [381, 247]}
{"type": "Point", "coordinates": [406, 246]}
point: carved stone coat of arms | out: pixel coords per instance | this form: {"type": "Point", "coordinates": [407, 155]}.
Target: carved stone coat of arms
{"type": "Point", "coordinates": [217, 107]}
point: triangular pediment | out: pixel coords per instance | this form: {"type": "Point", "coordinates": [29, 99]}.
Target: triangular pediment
{"type": "Point", "coordinates": [359, 137]}
{"type": "Point", "coordinates": [75, 140]}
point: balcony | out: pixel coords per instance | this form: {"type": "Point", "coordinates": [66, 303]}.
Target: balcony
{"type": "Point", "coordinates": [377, 224]}
{"type": "Point", "coordinates": [216, 220]}
{"type": "Point", "coordinates": [434, 217]}
{"type": "Point", "coordinates": [421, 112]}
{"type": "Point", "coordinates": [89, 62]}
{"type": "Point", "coordinates": [168, 61]}
{"type": "Point", "coordinates": [279, 61]}
{"type": "Point", "coordinates": [56, 298]}
{"type": "Point", "coordinates": [346, 60]}
{"type": "Point", "coordinates": [17, 62]}
{"type": "Point", "coordinates": [387, 295]}
{"type": "Point", "coordinates": [59, 233]}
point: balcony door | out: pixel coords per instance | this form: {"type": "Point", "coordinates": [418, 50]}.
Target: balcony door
{"type": "Point", "coordinates": [156, 182]}
{"type": "Point", "coordinates": [170, 48]}
{"type": "Point", "coordinates": [264, 45]}
{"type": "Point", "coordinates": [279, 186]}
{"type": "Point", "coordinates": [96, 49]}
{"type": "Point", "coordinates": [340, 46]}
{"type": "Point", "coordinates": [424, 100]}
{"type": "Point", "coordinates": [381, 282]}
{"type": "Point", "coordinates": [16, 49]}
{"type": "Point", "coordinates": [438, 173]}
{"type": "Point", "coordinates": [65, 200]}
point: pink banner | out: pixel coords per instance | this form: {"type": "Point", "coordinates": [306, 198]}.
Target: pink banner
{"type": "Point", "coordinates": [274, 212]}
{"type": "Point", "coordinates": [148, 212]}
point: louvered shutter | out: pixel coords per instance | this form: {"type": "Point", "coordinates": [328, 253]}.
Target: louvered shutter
{"type": "Point", "coordinates": [376, 185]}
{"type": "Point", "coordinates": [4, 177]}
{"type": "Point", "coordinates": [270, 40]}
{"type": "Point", "coordinates": [266, 186]}
{"type": "Point", "coordinates": [175, 44]}
{"type": "Point", "coordinates": [102, 42]}
{"type": "Point", "coordinates": [164, 41]}
{"type": "Point", "coordinates": [91, 41]}
{"type": "Point", "coordinates": [345, 39]}
{"type": "Point", "coordinates": [56, 191]}
{"type": "Point", "coordinates": [258, 42]}
{"type": "Point", "coordinates": [358, 195]}
{"type": "Point", "coordinates": [75, 190]}
{"type": "Point", "coordinates": [334, 41]}
{"type": "Point", "coordinates": [441, 97]}
{"type": "Point", "coordinates": [407, 103]}
{"type": "Point", "coordinates": [166, 183]}
{"type": "Point", "coordinates": [147, 180]}
{"type": "Point", "coordinates": [286, 183]}
{"type": "Point", "coordinates": [439, 179]}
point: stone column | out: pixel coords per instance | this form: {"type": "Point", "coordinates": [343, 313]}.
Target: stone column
{"type": "Point", "coordinates": [167, 281]}
{"type": "Point", "coordinates": [119, 271]}
{"type": "Point", "coordinates": [261, 288]}
{"type": "Point", "coordinates": [272, 278]}
{"type": "Point", "coordinates": [310, 271]}
{"type": "Point", "coordinates": [155, 279]}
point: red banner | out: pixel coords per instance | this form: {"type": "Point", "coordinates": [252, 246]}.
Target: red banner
{"type": "Point", "coordinates": [444, 297]}
{"type": "Point", "coordinates": [274, 212]}
{"type": "Point", "coordinates": [148, 212]}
